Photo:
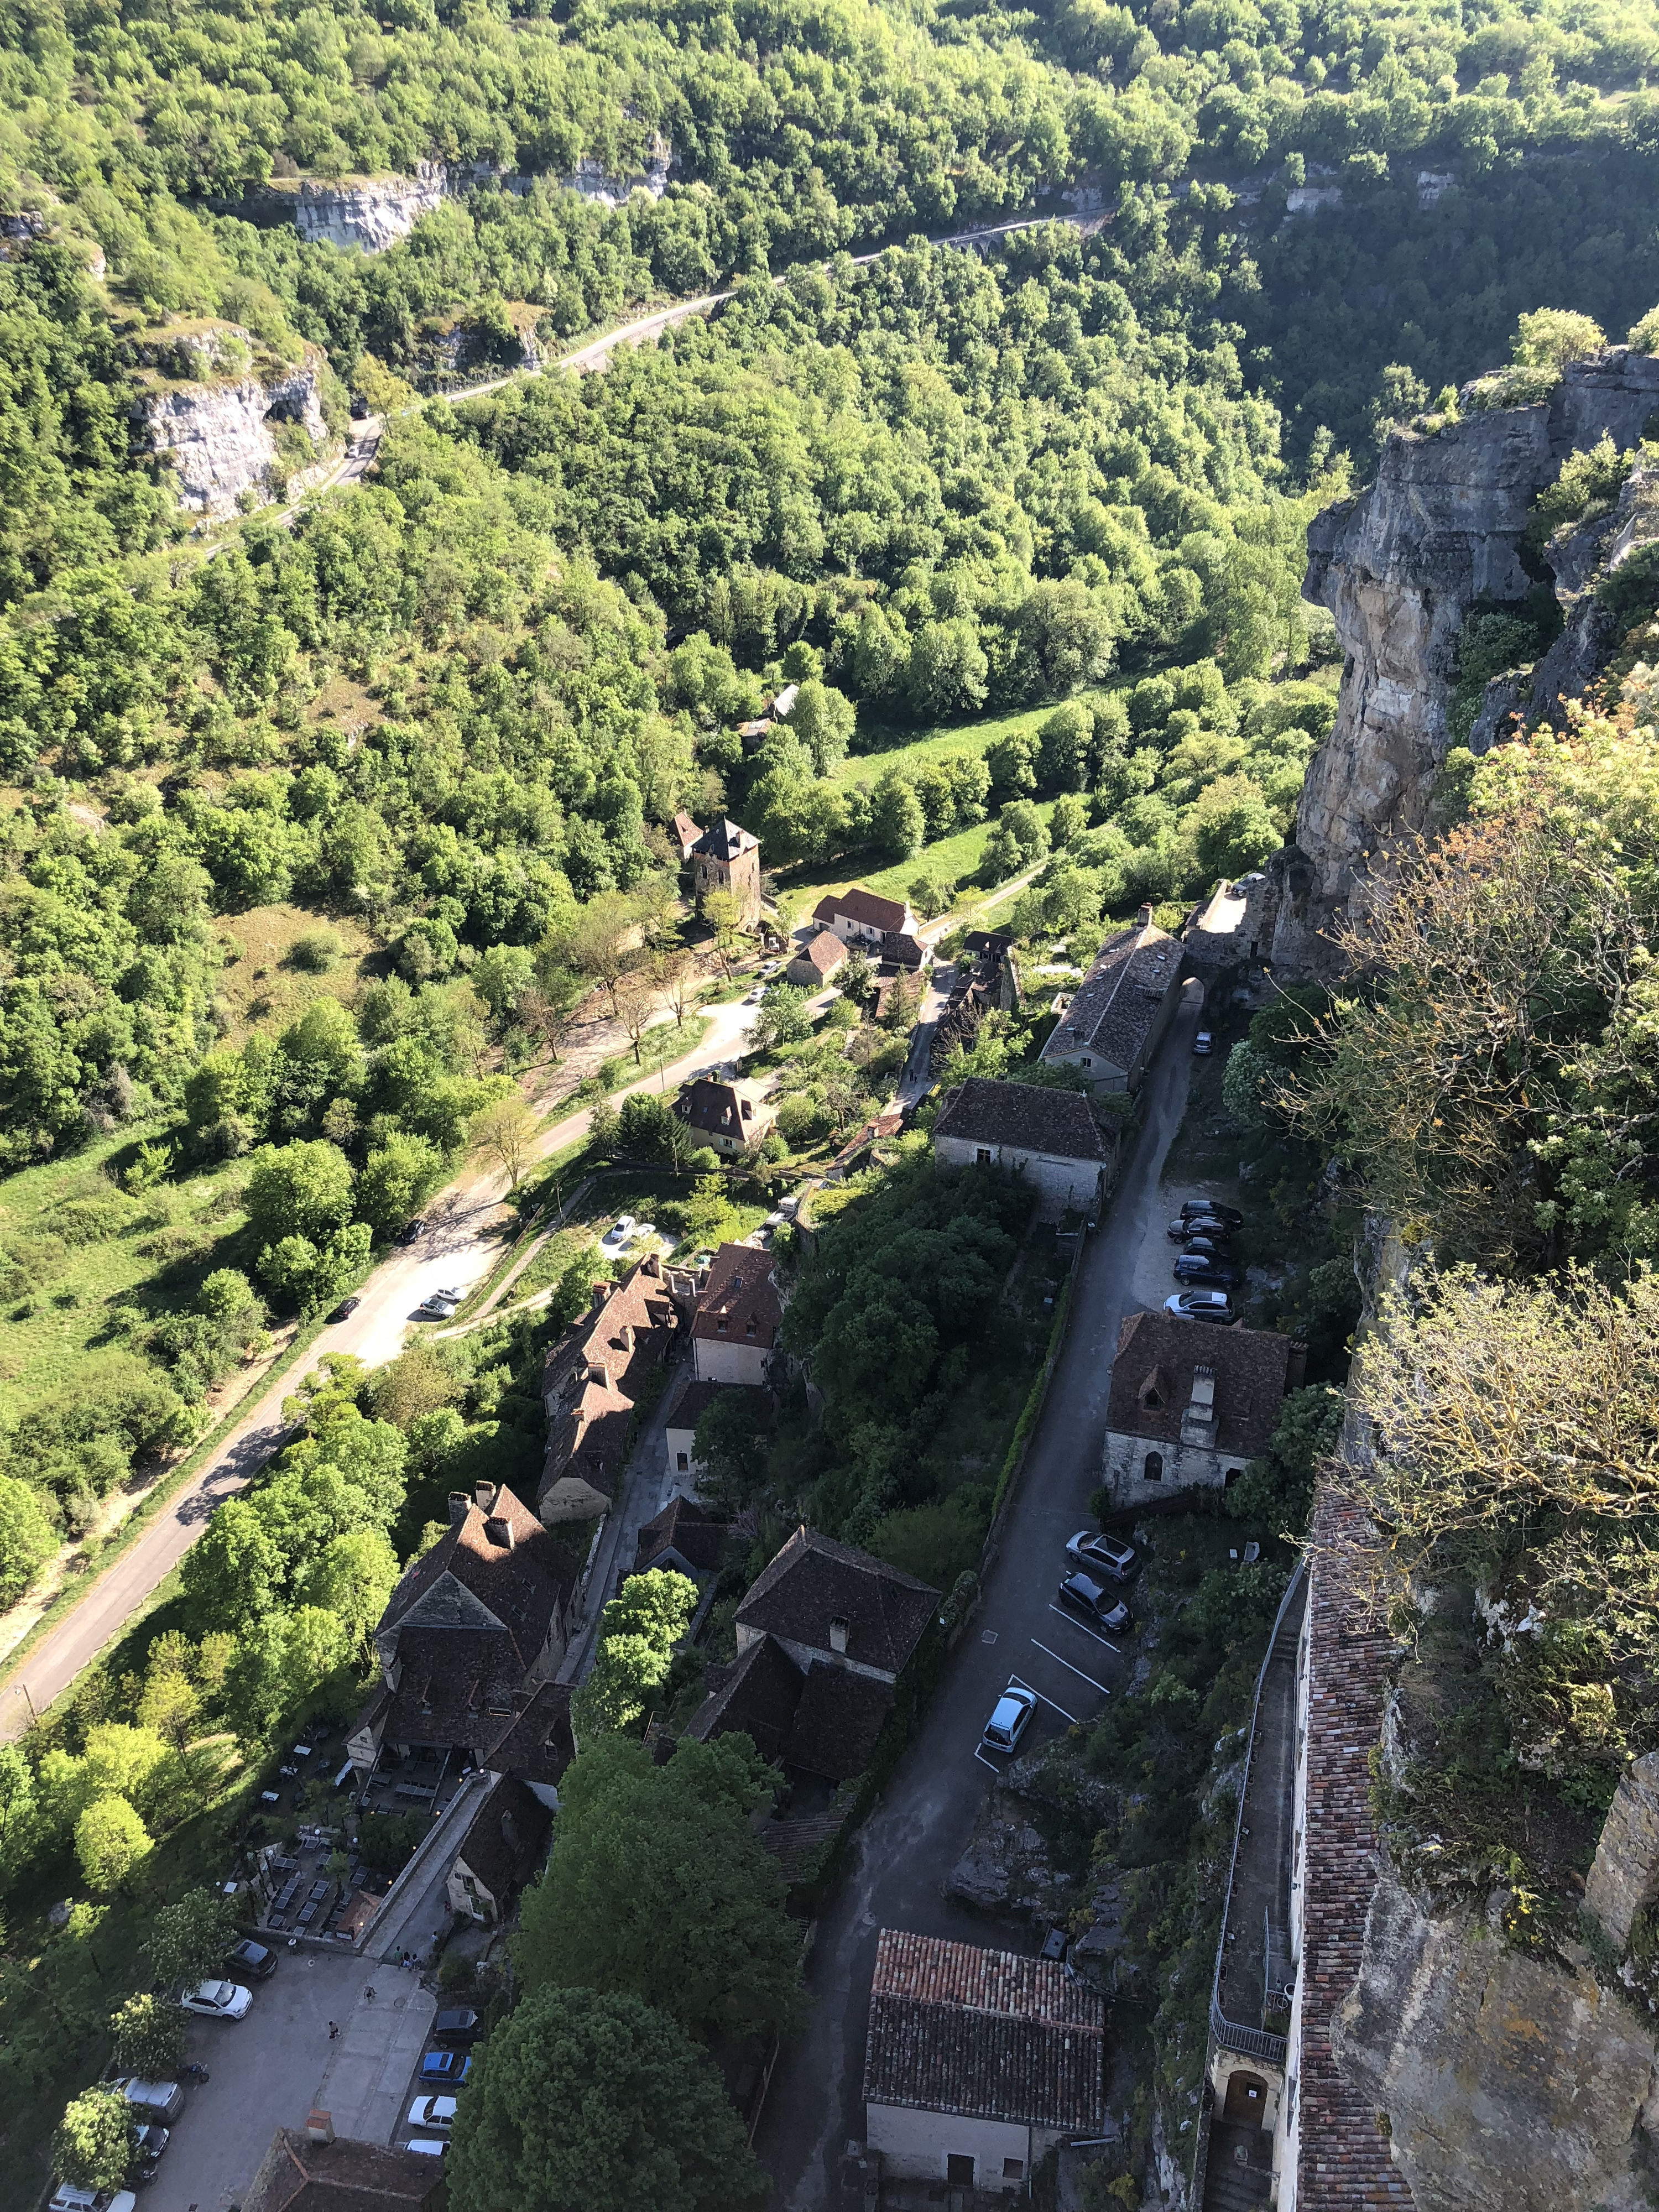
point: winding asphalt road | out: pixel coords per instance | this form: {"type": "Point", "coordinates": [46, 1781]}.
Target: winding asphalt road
{"type": "Point", "coordinates": [910, 1843]}
{"type": "Point", "coordinates": [457, 1247]}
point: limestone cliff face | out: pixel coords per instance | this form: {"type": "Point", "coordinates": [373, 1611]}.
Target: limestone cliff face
{"type": "Point", "coordinates": [369, 212]}
{"type": "Point", "coordinates": [214, 427]}
{"type": "Point", "coordinates": [591, 180]}
{"type": "Point", "coordinates": [1400, 566]}
{"type": "Point", "coordinates": [1511, 2082]}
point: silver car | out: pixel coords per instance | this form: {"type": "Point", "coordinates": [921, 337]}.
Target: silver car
{"type": "Point", "coordinates": [1011, 1718]}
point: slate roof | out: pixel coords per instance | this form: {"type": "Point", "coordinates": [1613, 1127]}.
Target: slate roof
{"type": "Point", "coordinates": [860, 905]}
{"type": "Point", "coordinates": [536, 1744]}
{"type": "Point", "coordinates": [447, 1680]}
{"type": "Point", "coordinates": [740, 1292]}
{"type": "Point", "coordinates": [694, 1402]}
{"type": "Point", "coordinates": [824, 953]}
{"type": "Point", "coordinates": [839, 1715]}
{"type": "Point", "coordinates": [469, 1579]}
{"type": "Point", "coordinates": [813, 1580]}
{"type": "Point", "coordinates": [985, 2035]}
{"type": "Point", "coordinates": [1026, 1117]}
{"type": "Point", "coordinates": [1157, 1353]}
{"type": "Point", "coordinates": [298, 2175]}
{"type": "Point", "coordinates": [717, 1108]}
{"type": "Point", "coordinates": [724, 841]}
{"type": "Point", "coordinates": [697, 1534]}
{"type": "Point", "coordinates": [1117, 1002]}
{"type": "Point", "coordinates": [758, 1697]}
{"type": "Point", "coordinates": [500, 1848]}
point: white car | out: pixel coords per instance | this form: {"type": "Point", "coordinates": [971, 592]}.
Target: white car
{"type": "Point", "coordinates": [432, 2112]}
{"type": "Point", "coordinates": [218, 2000]}
{"type": "Point", "coordinates": [1009, 1722]}
{"type": "Point", "coordinates": [617, 1235]}
{"type": "Point", "coordinates": [66, 2198]}
{"type": "Point", "coordinates": [427, 2146]}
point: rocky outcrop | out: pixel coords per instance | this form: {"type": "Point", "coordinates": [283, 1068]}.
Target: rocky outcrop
{"type": "Point", "coordinates": [1400, 566]}
{"type": "Point", "coordinates": [592, 181]}
{"type": "Point", "coordinates": [368, 212]}
{"type": "Point", "coordinates": [1623, 1878]}
{"type": "Point", "coordinates": [214, 430]}
{"type": "Point", "coordinates": [1511, 2081]}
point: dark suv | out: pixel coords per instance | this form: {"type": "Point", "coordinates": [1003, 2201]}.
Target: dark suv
{"type": "Point", "coordinates": [1083, 1595]}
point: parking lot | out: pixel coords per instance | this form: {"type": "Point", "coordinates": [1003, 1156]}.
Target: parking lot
{"type": "Point", "coordinates": [270, 2069]}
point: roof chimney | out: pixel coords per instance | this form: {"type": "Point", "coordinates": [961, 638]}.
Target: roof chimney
{"type": "Point", "coordinates": [499, 1533]}
{"type": "Point", "coordinates": [838, 1634]}
{"type": "Point", "coordinates": [458, 1504]}
{"type": "Point", "coordinates": [485, 1494]}
{"type": "Point", "coordinates": [320, 2126]}
{"type": "Point", "coordinates": [652, 1266]}
{"type": "Point", "coordinates": [1143, 919]}
{"type": "Point", "coordinates": [601, 1292]}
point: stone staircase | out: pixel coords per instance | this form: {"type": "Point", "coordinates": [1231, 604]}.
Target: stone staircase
{"type": "Point", "coordinates": [1239, 2176]}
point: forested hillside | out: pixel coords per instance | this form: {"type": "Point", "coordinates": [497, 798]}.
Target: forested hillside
{"type": "Point", "coordinates": [423, 743]}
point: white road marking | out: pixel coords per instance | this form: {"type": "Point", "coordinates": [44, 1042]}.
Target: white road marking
{"type": "Point", "coordinates": [1070, 1669]}
{"type": "Point", "coordinates": [1072, 1621]}
{"type": "Point", "coordinates": [983, 1761]}
{"type": "Point", "coordinates": [1043, 1698]}
{"type": "Point", "coordinates": [988, 1637]}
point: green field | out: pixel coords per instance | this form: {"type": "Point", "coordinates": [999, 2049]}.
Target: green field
{"type": "Point", "coordinates": [84, 1257]}
{"type": "Point", "coordinates": [955, 856]}
{"type": "Point", "coordinates": [933, 744]}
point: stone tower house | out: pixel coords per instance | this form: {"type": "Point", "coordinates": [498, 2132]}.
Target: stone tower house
{"type": "Point", "coordinates": [727, 859]}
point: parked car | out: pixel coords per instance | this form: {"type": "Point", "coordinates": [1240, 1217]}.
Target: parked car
{"type": "Point", "coordinates": [151, 2100]}
{"type": "Point", "coordinates": [218, 2000]}
{"type": "Point", "coordinates": [432, 2112]}
{"type": "Point", "coordinates": [618, 1234]}
{"type": "Point", "coordinates": [411, 1229]}
{"type": "Point", "coordinates": [148, 2142]}
{"type": "Point", "coordinates": [1230, 1214]}
{"type": "Point", "coordinates": [1096, 1555]}
{"type": "Point", "coordinates": [1207, 1248]}
{"type": "Point", "coordinates": [427, 2146]}
{"type": "Point", "coordinates": [67, 2197]}
{"type": "Point", "coordinates": [445, 2066]}
{"type": "Point", "coordinates": [1010, 1719]}
{"type": "Point", "coordinates": [459, 2026]}
{"type": "Point", "coordinates": [253, 1959]}
{"type": "Point", "coordinates": [1185, 1226]}
{"type": "Point", "coordinates": [1200, 1305]}
{"type": "Point", "coordinates": [1203, 1043]}
{"type": "Point", "coordinates": [346, 1307]}
{"type": "Point", "coordinates": [1202, 1271]}
{"type": "Point", "coordinates": [1085, 1596]}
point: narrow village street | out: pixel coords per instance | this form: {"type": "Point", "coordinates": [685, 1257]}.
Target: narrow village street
{"type": "Point", "coordinates": [909, 1845]}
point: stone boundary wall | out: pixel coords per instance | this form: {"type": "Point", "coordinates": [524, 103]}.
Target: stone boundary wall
{"type": "Point", "coordinates": [1343, 2163]}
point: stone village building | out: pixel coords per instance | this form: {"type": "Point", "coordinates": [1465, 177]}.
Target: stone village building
{"type": "Point", "coordinates": [724, 858]}
{"type": "Point", "coordinates": [1113, 1023]}
{"type": "Point", "coordinates": [1050, 1137]}
{"type": "Point", "coordinates": [1190, 1404]}
{"type": "Point", "coordinates": [729, 1116]}
{"type": "Point", "coordinates": [977, 2062]}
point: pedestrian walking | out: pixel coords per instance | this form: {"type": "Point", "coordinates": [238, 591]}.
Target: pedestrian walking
{"type": "Point", "coordinates": [369, 1993]}
{"type": "Point", "coordinates": [333, 2030]}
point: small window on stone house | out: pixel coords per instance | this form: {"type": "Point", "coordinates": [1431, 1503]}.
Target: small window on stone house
{"type": "Point", "coordinates": [682, 1462]}
{"type": "Point", "coordinates": [982, 1156]}
{"type": "Point", "coordinates": [1152, 1467]}
{"type": "Point", "coordinates": [1233, 1475]}
{"type": "Point", "coordinates": [958, 2170]}
{"type": "Point", "coordinates": [1013, 2169]}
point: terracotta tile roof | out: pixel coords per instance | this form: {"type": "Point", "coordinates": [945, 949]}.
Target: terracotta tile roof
{"type": "Point", "coordinates": [500, 1848]}
{"type": "Point", "coordinates": [814, 1581]}
{"type": "Point", "coordinates": [636, 1319]}
{"type": "Point", "coordinates": [1117, 1002]}
{"type": "Point", "coordinates": [984, 2034]}
{"type": "Point", "coordinates": [862, 906]}
{"type": "Point", "coordinates": [797, 1845]}
{"type": "Point", "coordinates": [725, 840]}
{"type": "Point", "coordinates": [589, 1438]}
{"type": "Point", "coordinates": [717, 1109]}
{"type": "Point", "coordinates": [698, 1535]}
{"type": "Point", "coordinates": [1156, 1356]}
{"type": "Point", "coordinates": [826, 952]}
{"type": "Point", "coordinates": [1025, 1117]}
{"type": "Point", "coordinates": [756, 1698]}
{"type": "Point", "coordinates": [536, 1744]}
{"type": "Point", "coordinates": [741, 1295]}
{"type": "Point", "coordinates": [298, 2175]}
{"type": "Point", "coordinates": [903, 951]}
{"type": "Point", "coordinates": [473, 1576]}
{"type": "Point", "coordinates": [686, 832]}
{"type": "Point", "coordinates": [1343, 2163]}
{"type": "Point", "coordinates": [839, 1715]}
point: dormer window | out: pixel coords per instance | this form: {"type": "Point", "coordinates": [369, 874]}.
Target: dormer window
{"type": "Point", "coordinates": [1152, 1401]}
{"type": "Point", "coordinates": [749, 1326]}
{"type": "Point", "coordinates": [721, 1324]}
